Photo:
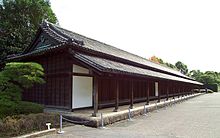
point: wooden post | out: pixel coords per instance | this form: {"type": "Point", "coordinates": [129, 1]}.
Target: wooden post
{"type": "Point", "coordinates": [167, 91]}
{"type": "Point", "coordinates": [116, 96]}
{"type": "Point", "coordinates": [173, 91]}
{"type": "Point", "coordinates": [191, 89]}
{"type": "Point", "coordinates": [159, 91]}
{"type": "Point", "coordinates": [95, 96]}
{"type": "Point", "coordinates": [148, 90]}
{"type": "Point", "coordinates": [132, 95]}
{"type": "Point", "coordinates": [179, 91]}
{"type": "Point", "coordinates": [183, 91]}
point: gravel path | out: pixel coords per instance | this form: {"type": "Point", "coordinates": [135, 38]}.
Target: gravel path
{"type": "Point", "coordinates": [195, 118]}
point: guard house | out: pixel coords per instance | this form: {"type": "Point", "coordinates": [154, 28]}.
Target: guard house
{"type": "Point", "coordinates": [81, 72]}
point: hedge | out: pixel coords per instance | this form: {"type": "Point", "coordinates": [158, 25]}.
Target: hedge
{"type": "Point", "coordinates": [23, 124]}
{"type": "Point", "coordinates": [213, 87]}
{"type": "Point", "coordinates": [9, 108]}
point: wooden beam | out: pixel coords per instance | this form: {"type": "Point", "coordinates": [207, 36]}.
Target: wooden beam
{"type": "Point", "coordinates": [148, 90]}
{"type": "Point", "coordinates": [132, 95]}
{"type": "Point", "coordinates": [95, 96]}
{"type": "Point", "coordinates": [116, 95]}
{"type": "Point", "coordinates": [81, 74]}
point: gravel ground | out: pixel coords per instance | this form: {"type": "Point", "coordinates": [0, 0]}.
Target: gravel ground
{"type": "Point", "coordinates": [198, 117]}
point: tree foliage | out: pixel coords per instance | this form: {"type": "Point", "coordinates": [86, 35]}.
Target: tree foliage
{"type": "Point", "coordinates": [182, 67]}
{"type": "Point", "coordinates": [208, 77]}
{"type": "Point", "coordinates": [170, 65]}
{"type": "Point", "coordinates": [17, 76]}
{"type": "Point", "coordinates": [160, 61]}
{"type": "Point", "coordinates": [156, 60]}
{"type": "Point", "coordinates": [19, 20]}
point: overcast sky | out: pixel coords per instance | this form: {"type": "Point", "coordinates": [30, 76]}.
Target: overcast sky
{"type": "Point", "coordinates": [186, 30]}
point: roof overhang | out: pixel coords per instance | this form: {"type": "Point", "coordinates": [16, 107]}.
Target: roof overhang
{"type": "Point", "coordinates": [108, 66]}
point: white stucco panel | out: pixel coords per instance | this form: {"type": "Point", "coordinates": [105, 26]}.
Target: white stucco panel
{"type": "Point", "coordinates": [82, 92]}
{"type": "Point", "coordinates": [79, 69]}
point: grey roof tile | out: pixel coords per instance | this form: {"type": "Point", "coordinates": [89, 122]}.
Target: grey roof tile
{"type": "Point", "coordinates": [111, 66]}
{"type": "Point", "coordinates": [108, 49]}
{"type": "Point", "coordinates": [64, 36]}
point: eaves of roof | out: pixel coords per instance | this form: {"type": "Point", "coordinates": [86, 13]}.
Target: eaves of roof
{"type": "Point", "coordinates": [108, 66]}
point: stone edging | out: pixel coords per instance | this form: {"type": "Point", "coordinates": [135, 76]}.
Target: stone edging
{"type": "Point", "coordinates": [37, 134]}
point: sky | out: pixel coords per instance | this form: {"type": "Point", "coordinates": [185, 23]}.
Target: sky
{"type": "Point", "coordinates": [174, 30]}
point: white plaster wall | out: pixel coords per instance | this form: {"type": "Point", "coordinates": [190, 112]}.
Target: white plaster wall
{"type": "Point", "coordinates": [82, 92]}
{"type": "Point", "coordinates": [156, 88]}
{"type": "Point", "coordinates": [78, 69]}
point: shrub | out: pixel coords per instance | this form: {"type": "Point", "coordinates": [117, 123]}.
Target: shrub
{"type": "Point", "coordinates": [17, 76]}
{"type": "Point", "coordinates": [9, 108]}
{"type": "Point", "coordinates": [22, 124]}
{"type": "Point", "coordinates": [29, 107]}
{"type": "Point", "coordinates": [209, 91]}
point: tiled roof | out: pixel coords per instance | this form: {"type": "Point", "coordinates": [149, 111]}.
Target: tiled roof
{"type": "Point", "coordinates": [37, 52]}
{"type": "Point", "coordinates": [65, 37]}
{"type": "Point", "coordinates": [106, 65]}
{"type": "Point", "coordinates": [108, 49]}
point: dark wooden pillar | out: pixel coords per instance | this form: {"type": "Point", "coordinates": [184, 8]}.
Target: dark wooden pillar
{"type": "Point", "coordinates": [174, 90]}
{"type": "Point", "coordinates": [182, 93]}
{"type": "Point", "coordinates": [206, 89]}
{"type": "Point", "coordinates": [95, 96]}
{"type": "Point", "coordinates": [191, 90]}
{"type": "Point", "coordinates": [167, 91]}
{"type": "Point", "coordinates": [116, 96]}
{"type": "Point", "coordinates": [187, 90]}
{"type": "Point", "coordinates": [159, 92]}
{"type": "Point", "coordinates": [179, 90]}
{"type": "Point", "coordinates": [132, 95]}
{"type": "Point", "coordinates": [148, 91]}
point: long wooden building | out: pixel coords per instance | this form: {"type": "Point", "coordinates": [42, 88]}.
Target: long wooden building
{"type": "Point", "coordinates": [82, 72]}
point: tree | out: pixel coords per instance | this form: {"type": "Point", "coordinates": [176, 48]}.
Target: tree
{"type": "Point", "coordinates": [170, 65]}
{"type": "Point", "coordinates": [160, 61]}
{"type": "Point", "coordinates": [156, 60]}
{"type": "Point", "coordinates": [182, 67]}
{"type": "Point", "coordinates": [19, 20]}
{"type": "Point", "coordinates": [208, 77]}
{"type": "Point", "coordinates": [15, 77]}
{"type": "Point", "coordinates": [196, 74]}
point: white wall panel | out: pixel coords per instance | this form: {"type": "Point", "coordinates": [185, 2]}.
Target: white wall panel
{"type": "Point", "coordinates": [82, 92]}
{"type": "Point", "coordinates": [78, 69]}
